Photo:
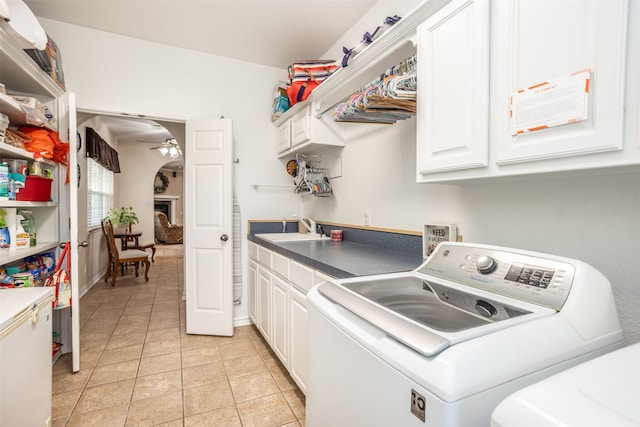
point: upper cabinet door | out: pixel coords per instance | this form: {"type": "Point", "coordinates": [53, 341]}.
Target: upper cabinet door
{"type": "Point", "coordinates": [544, 108]}
{"type": "Point", "coordinates": [453, 88]}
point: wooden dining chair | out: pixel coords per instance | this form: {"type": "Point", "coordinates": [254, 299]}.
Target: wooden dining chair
{"type": "Point", "coordinates": [119, 257]}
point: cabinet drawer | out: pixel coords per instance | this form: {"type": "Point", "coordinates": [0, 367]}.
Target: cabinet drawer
{"type": "Point", "coordinates": [264, 256]}
{"type": "Point", "coordinates": [301, 276]}
{"type": "Point", "coordinates": [253, 251]}
{"type": "Point", "coordinates": [280, 265]}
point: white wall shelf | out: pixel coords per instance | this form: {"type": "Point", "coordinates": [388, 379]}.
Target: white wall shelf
{"type": "Point", "coordinates": [387, 50]}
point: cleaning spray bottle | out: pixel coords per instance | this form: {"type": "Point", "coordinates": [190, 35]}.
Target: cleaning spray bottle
{"type": "Point", "coordinates": [22, 237]}
{"type": "Point", "coordinates": [5, 236]}
{"type": "Point", "coordinates": [29, 225]}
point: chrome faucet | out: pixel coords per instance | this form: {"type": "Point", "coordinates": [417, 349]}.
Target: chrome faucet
{"type": "Point", "coordinates": [310, 226]}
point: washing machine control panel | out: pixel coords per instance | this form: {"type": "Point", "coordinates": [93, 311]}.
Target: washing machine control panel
{"type": "Point", "coordinates": [537, 278]}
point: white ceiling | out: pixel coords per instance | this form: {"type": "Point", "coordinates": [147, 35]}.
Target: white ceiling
{"type": "Point", "coordinates": [267, 32]}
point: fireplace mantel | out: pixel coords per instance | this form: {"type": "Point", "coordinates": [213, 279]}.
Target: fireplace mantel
{"type": "Point", "coordinates": [172, 201]}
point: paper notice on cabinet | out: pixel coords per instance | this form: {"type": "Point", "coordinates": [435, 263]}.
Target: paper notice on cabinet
{"type": "Point", "coordinates": [551, 103]}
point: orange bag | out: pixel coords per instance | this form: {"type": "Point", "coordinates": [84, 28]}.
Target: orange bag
{"type": "Point", "coordinates": [299, 91]}
{"type": "Point", "coordinates": [45, 143]}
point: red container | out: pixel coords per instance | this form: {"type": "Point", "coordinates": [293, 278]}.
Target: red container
{"type": "Point", "coordinates": [36, 189]}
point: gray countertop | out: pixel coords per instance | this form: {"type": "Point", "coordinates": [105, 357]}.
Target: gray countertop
{"type": "Point", "coordinates": [344, 259]}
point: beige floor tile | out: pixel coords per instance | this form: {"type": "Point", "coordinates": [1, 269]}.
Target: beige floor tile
{"type": "Point", "coordinates": [139, 327]}
{"type": "Point", "coordinates": [266, 411]}
{"type": "Point", "coordinates": [140, 305]}
{"type": "Point", "coordinates": [206, 398]}
{"type": "Point", "coordinates": [104, 396]}
{"type": "Point", "coordinates": [181, 379]}
{"type": "Point", "coordinates": [252, 386]}
{"type": "Point", "coordinates": [118, 341]}
{"type": "Point", "coordinates": [227, 417]}
{"type": "Point", "coordinates": [296, 400]}
{"type": "Point", "coordinates": [63, 403]}
{"type": "Point", "coordinates": [192, 342]}
{"type": "Point", "coordinates": [244, 365]}
{"type": "Point", "coordinates": [68, 382]}
{"type": "Point", "coordinates": [122, 354]}
{"type": "Point", "coordinates": [164, 323]}
{"type": "Point", "coordinates": [157, 384]}
{"type": "Point", "coordinates": [238, 349]}
{"type": "Point", "coordinates": [161, 347]}
{"type": "Point", "coordinates": [60, 422]}
{"type": "Point", "coordinates": [115, 372]}
{"type": "Point", "coordinates": [163, 334]}
{"type": "Point", "coordinates": [114, 416]}
{"type": "Point", "coordinates": [161, 363]}
{"type": "Point", "coordinates": [155, 410]}
{"type": "Point", "coordinates": [200, 356]}
{"type": "Point", "coordinates": [280, 375]}
{"type": "Point", "coordinates": [198, 375]}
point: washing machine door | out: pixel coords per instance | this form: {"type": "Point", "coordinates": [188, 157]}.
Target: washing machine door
{"type": "Point", "coordinates": [419, 313]}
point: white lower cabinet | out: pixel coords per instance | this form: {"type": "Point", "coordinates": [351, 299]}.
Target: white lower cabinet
{"type": "Point", "coordinates": [279, 311]}
{"type": "Point", "coordinates": [298, 334]}
{"type": "Point", "coordinates": [252, 271]}
{"type": "Point", "coordinates": [264, 303]}
{"type": "Point", "coordinates": [278, 289]}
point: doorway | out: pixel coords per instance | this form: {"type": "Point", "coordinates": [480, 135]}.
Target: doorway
{"type": "Point", "coordinates": [134, 138]}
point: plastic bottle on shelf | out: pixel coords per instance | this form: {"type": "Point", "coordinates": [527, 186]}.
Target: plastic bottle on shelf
{"type": "Point", "coordinates": [29, 225]}
{"type": "Point", "coordinates": [4, 181]}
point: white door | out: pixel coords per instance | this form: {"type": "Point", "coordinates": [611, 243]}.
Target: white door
{"type": "Point", "coordinates": [69, 221]}
{"type": "Point", "coordinates": [208, 226]}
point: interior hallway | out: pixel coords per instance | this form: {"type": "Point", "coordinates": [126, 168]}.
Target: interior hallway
{"type": "Point", "coordinates": [140, 368]}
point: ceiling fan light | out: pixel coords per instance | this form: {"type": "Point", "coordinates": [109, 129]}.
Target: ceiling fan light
{"type": "Point", "coordinates": [164, 150]}
{"type": "Point", "coordinates": [173, 152]}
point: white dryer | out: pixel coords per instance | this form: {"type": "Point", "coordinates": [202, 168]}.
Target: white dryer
{"type": "Point", "coordinates": [602, 392]}
{"type": "Point", "coordinates": [442, 345]}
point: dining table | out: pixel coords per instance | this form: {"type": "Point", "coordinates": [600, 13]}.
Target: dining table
{"type": "Point", "coordinates": [128, 237]}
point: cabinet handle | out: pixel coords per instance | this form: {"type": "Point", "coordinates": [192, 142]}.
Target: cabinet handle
{"type": "Point", "coordinates": [224, 237]}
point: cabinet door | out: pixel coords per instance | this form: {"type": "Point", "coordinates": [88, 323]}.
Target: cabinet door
{"type": "Point", "coordinates": [539, 42]}
{"type": "Point", "coordinates": [283, 137]}
{"type": "Point", "coordinates": [279, 303]}
{"type": "Point", "coordinates": [300, 127]}
{"type": "Point", "coordinates": [252, 281]}
{"type": "Point", "coordinates": [264, 301]}
{"type": "Point", "coordinates": [298, 337]}
{"type": "Point", "coordinates": [453, 89]}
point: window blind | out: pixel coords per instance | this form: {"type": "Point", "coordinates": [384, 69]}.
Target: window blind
{"type": "Point", "coordinates": [99, 192]}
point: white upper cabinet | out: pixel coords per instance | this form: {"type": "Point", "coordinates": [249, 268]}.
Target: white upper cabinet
{"type": "Point", "coordinates": [453, 88]}
{"type": "Point", "coordinates": [559, 94]}
{"type": "Point", "coordinates": [306, 134]}
{"type": "Point", "coordinates": [544, 45]}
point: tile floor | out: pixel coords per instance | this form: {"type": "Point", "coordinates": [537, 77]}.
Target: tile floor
{"type": "Point", "coordinates": [140, 368]}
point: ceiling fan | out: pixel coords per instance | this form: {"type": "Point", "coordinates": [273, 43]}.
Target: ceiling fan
{"type": "Point", "coordinates": [169, 146]}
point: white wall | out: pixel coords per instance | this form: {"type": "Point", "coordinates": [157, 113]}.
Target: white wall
{"type": "Point", "coordinates": [120, 74]}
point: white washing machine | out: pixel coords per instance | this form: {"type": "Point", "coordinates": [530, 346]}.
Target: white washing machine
{"type": "Point", "coordinates": [442, 345]}
{"type": "Point", "coordinates": [601, 392]}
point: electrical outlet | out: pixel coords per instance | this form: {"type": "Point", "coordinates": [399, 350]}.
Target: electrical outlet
{"type": "Point", "coordinates": [367, 217]}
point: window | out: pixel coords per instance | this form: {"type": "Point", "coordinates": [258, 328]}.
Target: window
{"type": "Point", "coordinates": [99, 193]}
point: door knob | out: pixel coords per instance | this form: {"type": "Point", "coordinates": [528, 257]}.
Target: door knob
{"type": "Point", "coordinates": [224, 237]}
{"type": "Point", "coordinates": [83, 244]}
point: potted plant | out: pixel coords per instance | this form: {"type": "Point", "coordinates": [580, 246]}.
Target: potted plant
{"type": "Point", "coordinates": [123, 217]}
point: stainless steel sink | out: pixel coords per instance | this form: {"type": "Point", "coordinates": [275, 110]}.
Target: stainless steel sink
{"type": "Point", "coordinates": [291, 237]}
